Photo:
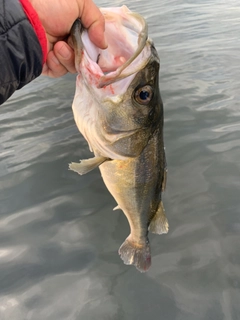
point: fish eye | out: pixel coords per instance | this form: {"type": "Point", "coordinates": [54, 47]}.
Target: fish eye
{"type": "Point", "coordinates": [144, 94]}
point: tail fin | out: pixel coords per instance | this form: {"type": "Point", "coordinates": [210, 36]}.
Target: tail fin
{"type": "Point", "coordinates": [159, 223]}
{"type": "Point", "coordinates": [138, 255]}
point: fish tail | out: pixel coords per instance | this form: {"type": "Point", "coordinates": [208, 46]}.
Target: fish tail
{"type": "Point", "coordinates": [159, 222]}
{"type": "Point", "coordinates": [135, 254]}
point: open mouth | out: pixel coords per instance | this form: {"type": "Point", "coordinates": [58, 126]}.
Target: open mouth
{"type": "Point", "coordinates": [122, 30]}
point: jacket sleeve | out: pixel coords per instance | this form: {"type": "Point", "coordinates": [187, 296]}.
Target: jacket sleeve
{"type": "Point", "coordinates": [22, 46]}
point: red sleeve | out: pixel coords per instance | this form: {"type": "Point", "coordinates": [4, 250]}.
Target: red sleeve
{"type": "Point", "coordinates": [37, 26]}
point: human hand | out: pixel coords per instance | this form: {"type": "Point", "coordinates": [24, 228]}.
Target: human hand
{"type": "Point", "coordinates": [57, 18]}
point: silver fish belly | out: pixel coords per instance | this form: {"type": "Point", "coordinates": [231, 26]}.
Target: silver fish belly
{"type": "Point", "coordinates": [118, 109]}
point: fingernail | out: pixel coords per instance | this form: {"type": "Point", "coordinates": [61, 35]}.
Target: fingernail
{"type": "Point", "coordinates": [64, 52]}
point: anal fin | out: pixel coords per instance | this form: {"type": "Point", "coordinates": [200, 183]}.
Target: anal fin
{"type": "Point", "coordinates": [159, 222]}
{"type": "Point", "coordinates": [87, 165]}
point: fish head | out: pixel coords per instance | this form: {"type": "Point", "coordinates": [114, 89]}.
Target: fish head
{"type": "Point", "coordinates": [119, 84]}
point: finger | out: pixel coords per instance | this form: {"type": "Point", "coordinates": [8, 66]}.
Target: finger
{"type": "Point", "coordinates": [53, 68]}
{"type": "Point", "coordinates": [65, 55]}
{"type": "Point", "coordinates": [95, 23]}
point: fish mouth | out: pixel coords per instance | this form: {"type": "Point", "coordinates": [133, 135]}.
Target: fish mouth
{"type": "Point", "coordinates": [127, 34]}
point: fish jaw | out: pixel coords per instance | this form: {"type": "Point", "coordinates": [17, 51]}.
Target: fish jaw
{"type": "Point", "coordinates": [114, 84]}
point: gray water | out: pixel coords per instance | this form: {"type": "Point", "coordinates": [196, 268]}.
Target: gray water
{"type": "Point", "coordinates": [58, 234]}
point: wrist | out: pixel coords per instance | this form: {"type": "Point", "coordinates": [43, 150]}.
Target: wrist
{"type": "Point", "coordinates": [37, 26]}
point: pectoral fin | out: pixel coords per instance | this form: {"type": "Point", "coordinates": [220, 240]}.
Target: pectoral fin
{"type": "Point", "coordinates": [159, 222]}
{"type": "Point", "coordinates": [117, 208]}
{"type": "Point", "coordinates": [87, 165]}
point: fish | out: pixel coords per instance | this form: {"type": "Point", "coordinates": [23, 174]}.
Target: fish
{"type": "Point", "coordinates": [118, 109]}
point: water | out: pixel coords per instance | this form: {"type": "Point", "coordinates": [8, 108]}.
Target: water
{"type": "Point", "coordinates": [58, 234]}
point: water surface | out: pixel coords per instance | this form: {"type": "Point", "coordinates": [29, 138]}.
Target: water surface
{"type": "Point", "coordinates": [58, 234]}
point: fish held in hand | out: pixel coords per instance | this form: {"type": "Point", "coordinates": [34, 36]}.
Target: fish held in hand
{"type": "Point", "coordinates": [118, 109]}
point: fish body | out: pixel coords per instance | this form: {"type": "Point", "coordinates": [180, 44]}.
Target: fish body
{"type": "Point", "coordinates": [118, 109]}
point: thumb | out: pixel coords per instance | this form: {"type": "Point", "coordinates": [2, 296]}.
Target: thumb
{"type": "Point", "coordinates": [94, 21]}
